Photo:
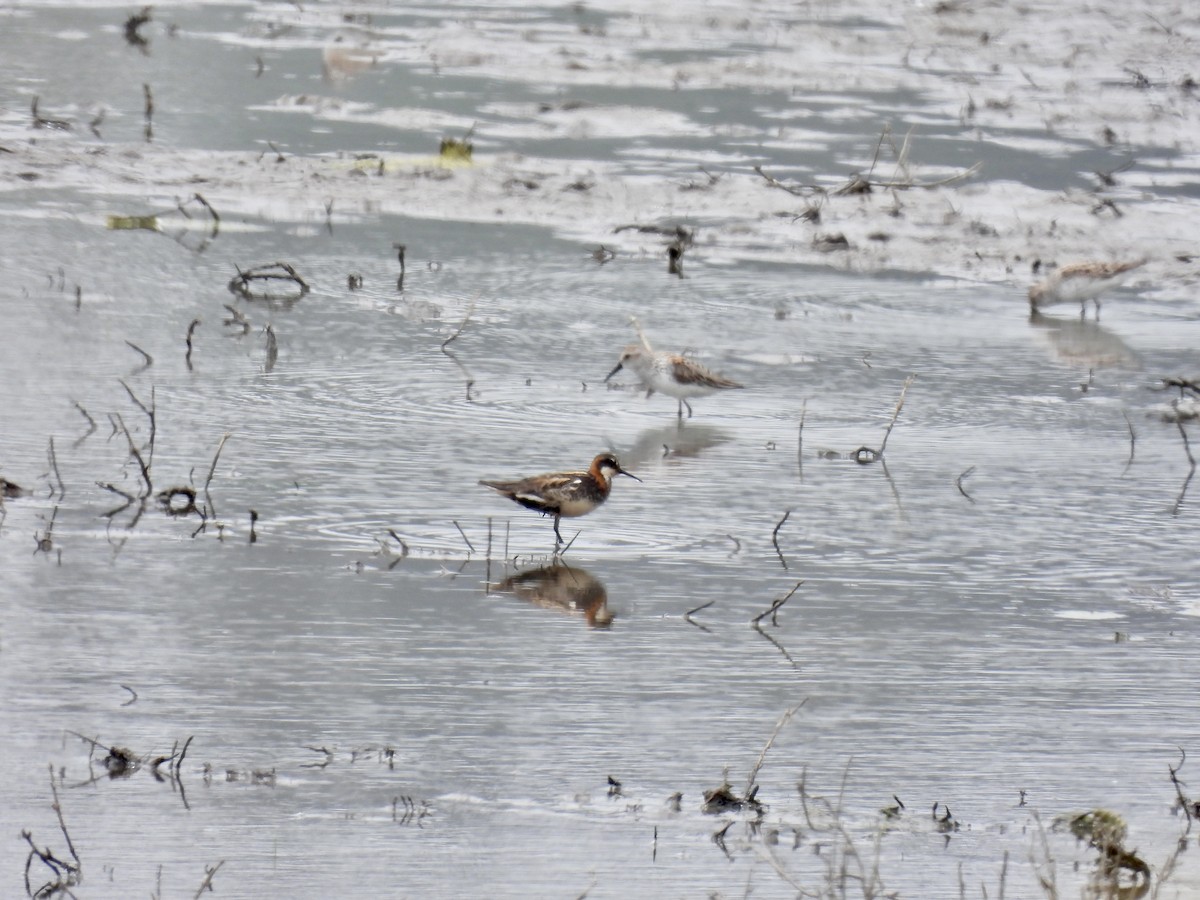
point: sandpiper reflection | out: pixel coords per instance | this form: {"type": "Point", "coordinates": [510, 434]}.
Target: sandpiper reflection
{"type": "Point", "coordinates": [1084, 343]}
{"type": "Point", "coordinates": [674, 441]}
{"type": "Point", "coordinates": [562, 587]}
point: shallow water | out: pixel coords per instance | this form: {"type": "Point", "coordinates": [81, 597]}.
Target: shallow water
{"type": "Point", "coordinates": [416, 725]}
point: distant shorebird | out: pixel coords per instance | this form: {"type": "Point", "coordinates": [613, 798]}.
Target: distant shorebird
{"type": "Point", "coordinates": [562, 494]}
{"type": "Point", "coordinates": [1080, 282]}
{"type": "Point", "coordinates": [671, 374]}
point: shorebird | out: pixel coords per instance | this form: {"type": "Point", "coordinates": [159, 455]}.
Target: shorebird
{"type": "Point", "coordinates": [1080, 281]}
{"type": "Point", "coordinates": [564, 493]}
{"type": "Point", "coordinates": [671, 374]}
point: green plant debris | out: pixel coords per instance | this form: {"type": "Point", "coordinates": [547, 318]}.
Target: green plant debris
{"type": "Point", "coordinates": [133, 223]}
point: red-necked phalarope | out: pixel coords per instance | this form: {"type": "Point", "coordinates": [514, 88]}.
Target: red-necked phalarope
{"type": "Point", "coordinates": [564, 493]}
{"type": "Point", "coordinates": [1080, 282]}
{"type": "Point", "coordinates": [671, 374]}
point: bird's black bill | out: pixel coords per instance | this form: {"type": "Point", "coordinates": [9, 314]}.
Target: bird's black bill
{"type": "Point", "coordinates": [613, 372]}
{"type": "Point", "coordinates": [630, 474]}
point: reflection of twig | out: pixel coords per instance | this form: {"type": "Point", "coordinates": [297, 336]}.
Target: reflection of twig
{"type": "Point", "coordinates": [958, 483]}
{"type": "Point", "coordinates": [687, 616]}
{"type": "Point", "coordinates": [61, 822]}
{"type": "Point", "coordinates": [1187, 448]}
{"type": "Point", "coordinates": [466, 372]}
{"type": "Point", "coordinates": [1132, 442]}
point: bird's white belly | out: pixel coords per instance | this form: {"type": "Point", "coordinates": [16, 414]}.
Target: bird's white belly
{"type": "Point", "coordinates": [665, 384]}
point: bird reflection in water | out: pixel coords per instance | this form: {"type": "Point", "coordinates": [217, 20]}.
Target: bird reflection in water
{"type": "Point", "coordinates": [1084, 343]}
{"type": "Point", "coordinates": [673, 442]}
{"type": "Point", "coordinates": [562, 587]}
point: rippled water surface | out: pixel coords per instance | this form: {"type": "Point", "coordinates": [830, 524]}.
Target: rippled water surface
{"type": "Point", "coordinates": [386, 686]}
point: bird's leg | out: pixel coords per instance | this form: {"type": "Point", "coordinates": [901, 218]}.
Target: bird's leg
{"type": "Point", "coordinates": [679, 413]}
{"type": "Point", "coordinates": [558, 541]}
{"type": "Point", "coordinates": [1097, 302]}
{"type": "Point", "coordinates": [689, 407]}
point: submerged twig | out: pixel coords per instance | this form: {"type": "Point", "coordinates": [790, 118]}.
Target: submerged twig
{"type": "Point", "coordinates": [91, 424]}
{"type": "Point", "coordinates": [190, 332]}
{"type": "Point", "coordinates": [687, 616]}
{"type": "Point", "coordinates": [1187, 448]}
{"type": "Point", "coordinates": [53, 459]}
{"type": "Point", "coordinates": [467, 540]}
{"type": "Point", "coordinates": [775, 606]}
{"type": "Point", "coordinates": [149, 360]}
{"type": "Point", "coordinates": [1189, 808]}
{"type": "Point", "coordinates": [244, 284]}
{"type": "Point", "coordinates": [775, 538]}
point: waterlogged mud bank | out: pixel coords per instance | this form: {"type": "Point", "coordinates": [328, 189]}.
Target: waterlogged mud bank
{"type": "Point", "coordinates": [956, 140]}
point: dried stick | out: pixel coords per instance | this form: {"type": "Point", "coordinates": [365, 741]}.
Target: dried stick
{"type": "Point", "coordinates": [272, 349]}
{"type": "Point", "coordinates": [783, 720]}
{"type": "Point", "coordinates": [191, 330]}
{"type": "Point", "coordinates": [150, 414]}
{"type": "Point", "coordinates": [212, 511]}
{"type": "Point", "coordinates": [896, 412]}
{"type": "Point", "coordinates": [802, 191]}
{"type": "Point", "coordinates": [1183, 801]}
{"type": "Point", "coordinates": [470, 547]}
{"type": "Point", "coordinates": [137, 456]}
{"type": "Point", "coordinates": [206, 885]}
